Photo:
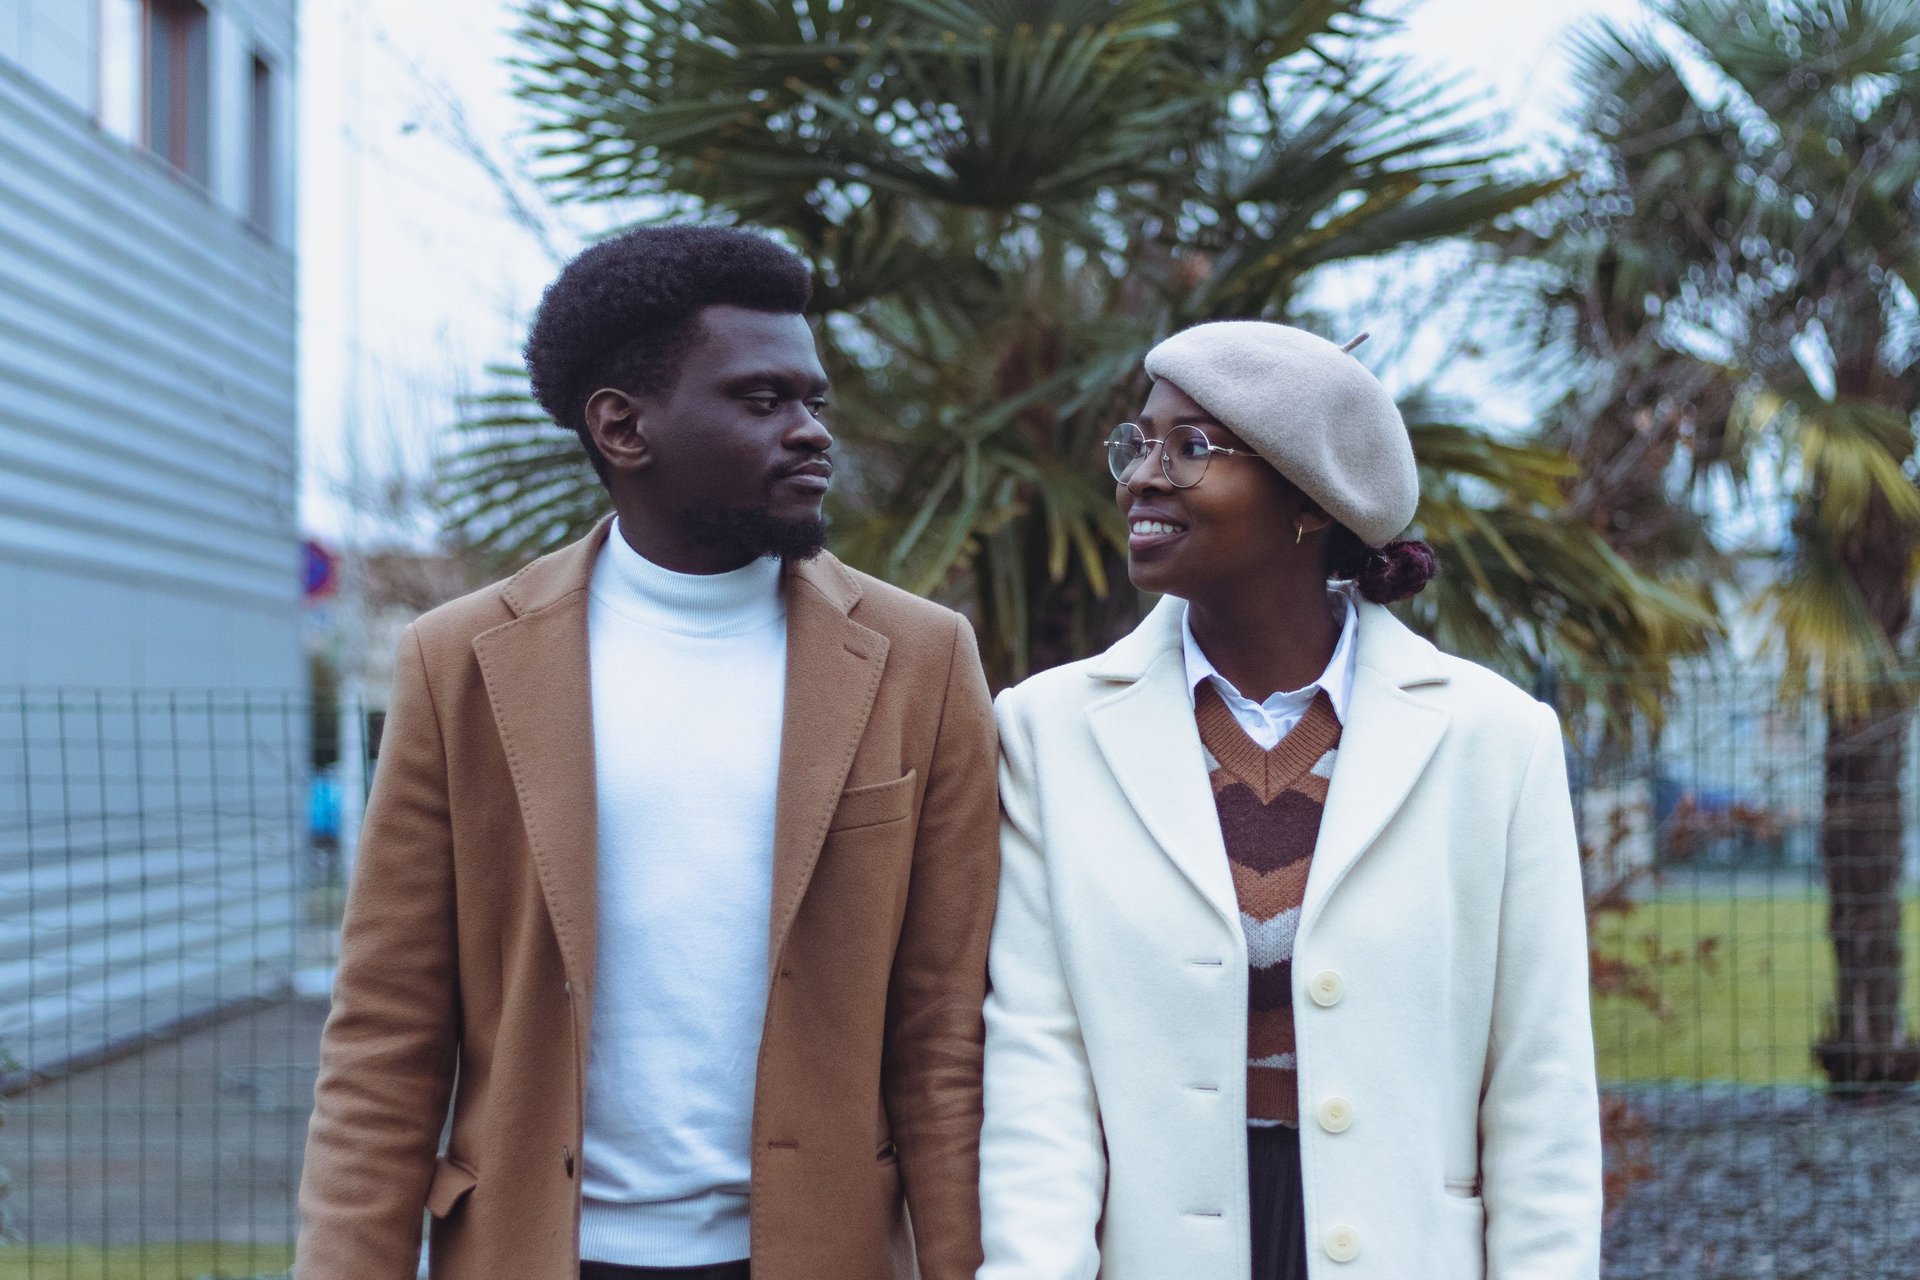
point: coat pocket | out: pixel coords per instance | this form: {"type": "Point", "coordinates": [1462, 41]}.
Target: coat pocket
{"type": "Point", "coordinates": [451, 1183]}
{"type": "Point", "coordinates": [871, 806]}
{"type": "Point", "coordinates": [1463, 1250]}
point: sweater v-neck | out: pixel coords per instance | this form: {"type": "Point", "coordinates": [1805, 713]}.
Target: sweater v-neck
{"type": "Point", "coordinates": [1266, 772]}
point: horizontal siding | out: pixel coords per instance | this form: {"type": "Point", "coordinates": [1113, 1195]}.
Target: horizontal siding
{"type": "Point", "coordinates": [58, 539]}
{"type": "Point", "coordinates": [220, 296]}
{"type": "Point", "coordinates": [147, 371]}
{"type": "Point", "coordinates": [80, 632]}
{"type": "Point", "coordinates": [152, 843]}
{"type": "Point", "coordinates": [55, 40]}
{"type": "Point", "coordinates": [140, 461]}
{"type": "Point", "coordinates": [114, 290]}
{"type": "Point", "coordinates": [131, 324]}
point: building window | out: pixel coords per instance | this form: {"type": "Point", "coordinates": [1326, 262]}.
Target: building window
{"type": "Point", "coordinates": [177, 84]}
{"type": "Point", "coordinates": [123, 27]}
{"type": "Point", "coordinates": [260, 184]}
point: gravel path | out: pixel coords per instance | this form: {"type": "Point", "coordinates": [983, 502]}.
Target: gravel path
{"type": "Point", "coordinates": [1769, 1184]}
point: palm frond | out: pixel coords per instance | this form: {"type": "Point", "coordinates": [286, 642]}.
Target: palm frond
{"type": "Point", "coordinates": [1828, 635]}
{"type": "Point", "coordinates": [1853, 453]}
{"type": "Point", "coordinates": [1006, 202]}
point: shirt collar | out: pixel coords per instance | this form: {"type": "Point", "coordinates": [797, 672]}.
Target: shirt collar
{"type": "Point", "coordinates": [1336, 681]}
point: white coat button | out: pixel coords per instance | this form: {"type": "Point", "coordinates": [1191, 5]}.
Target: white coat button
{"type": "Point", "coordinates": [1335, 1115]}
{"type": "Point", "coordinates": [1343, 1244]}
{"type": "Point", "coordinates": [1326, 988]}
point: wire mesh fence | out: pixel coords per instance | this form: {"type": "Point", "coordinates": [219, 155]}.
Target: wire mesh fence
{"type": "Point", "coordinates": [1760, 1110]}
{"type": "Point", "coordinates": [166, 897]}
{"type": "Point", "coordinates": [171, 883]}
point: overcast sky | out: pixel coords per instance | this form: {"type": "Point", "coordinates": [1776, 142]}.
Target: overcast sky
{"type": "Point", "coordinates": [417, 272]}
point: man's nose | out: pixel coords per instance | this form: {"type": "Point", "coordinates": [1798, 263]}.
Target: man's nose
{"type": "Point", "coordinates": [809, 433]}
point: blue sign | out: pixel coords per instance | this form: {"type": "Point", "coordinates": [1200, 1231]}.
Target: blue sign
{"type": "Point", "coordinates": [320, 570]}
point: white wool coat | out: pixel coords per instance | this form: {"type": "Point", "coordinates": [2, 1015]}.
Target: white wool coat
{"type": "Point", "coordinates": [1450, 1122]}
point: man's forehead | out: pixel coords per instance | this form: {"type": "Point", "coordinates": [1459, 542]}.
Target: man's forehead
{"type": "Point", "coordinates": [737, 340]}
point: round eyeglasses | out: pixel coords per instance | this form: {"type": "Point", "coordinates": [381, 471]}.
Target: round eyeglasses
{"type": "Point", "coordinates": [1184, 453]}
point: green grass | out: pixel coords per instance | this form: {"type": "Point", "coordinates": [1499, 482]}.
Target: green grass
{"type": "Point", "coordinates": [134, 1262]}
{"type": "Point", "coordinates": [1753, 1014]}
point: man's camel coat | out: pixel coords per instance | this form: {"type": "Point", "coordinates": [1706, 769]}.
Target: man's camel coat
{"type": "Point", "coordinates": [466, 971]}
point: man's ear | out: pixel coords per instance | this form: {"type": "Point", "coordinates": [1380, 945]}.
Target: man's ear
{"type": "Point", "coordinates": [617, 422]}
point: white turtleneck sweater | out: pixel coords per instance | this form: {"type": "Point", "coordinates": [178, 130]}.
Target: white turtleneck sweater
{"type": "Point", "coordinates": [689, 680]}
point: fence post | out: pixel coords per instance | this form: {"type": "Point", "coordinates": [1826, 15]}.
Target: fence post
{"type": "Point", "coordinates": [353, 770]}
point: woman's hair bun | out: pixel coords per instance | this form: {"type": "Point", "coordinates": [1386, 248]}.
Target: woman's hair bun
{"type": "Point", "coordinates": [1397, 571]}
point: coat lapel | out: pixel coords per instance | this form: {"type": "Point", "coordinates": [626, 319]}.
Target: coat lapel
{"type": "Point", "coordinates": [1147, 734]}
{"type": "Point", "coordinates": [1387, 739]}
{"type": "Point", "coordinates": [536, 673]}
{"type": "Point", "coordinates": [833, 672]}
{"type": "Point", "coordinates": [1151, 743]}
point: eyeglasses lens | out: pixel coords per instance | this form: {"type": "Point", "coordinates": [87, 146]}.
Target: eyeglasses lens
{"type": "Point", "coordinates": [1187, 456]}
{"type": "Point", "coordinates": [1125, 449]}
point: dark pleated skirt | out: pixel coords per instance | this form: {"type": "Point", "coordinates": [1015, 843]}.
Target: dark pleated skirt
{"type": "Point", "coordinates": [1279, 1207]}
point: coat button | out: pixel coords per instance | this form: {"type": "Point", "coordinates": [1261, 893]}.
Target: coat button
{"type": "Point", "coordinates": [566, 1159]}
{"type": "Point", "coordinates": [1343, 1244]}
{"type": "Point", "coordinates": [1336, 1114]}
{"type": "Point", "coordinates": [1326, 988]}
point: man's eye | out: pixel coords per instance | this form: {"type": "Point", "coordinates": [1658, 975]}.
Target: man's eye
{"type": "Point", "coordinates": [817, 407]}
{"type": "Point", "coordinates": [763, 404]}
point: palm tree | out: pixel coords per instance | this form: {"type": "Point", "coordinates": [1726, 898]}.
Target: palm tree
{"type": "Point", "coordinates": [1007, 201]}
{"type": "Point", "coordinates": [1742, 257]}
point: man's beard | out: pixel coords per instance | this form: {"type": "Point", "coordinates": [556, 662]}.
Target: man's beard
{"type": "Point", "coordinates": [753, 532]}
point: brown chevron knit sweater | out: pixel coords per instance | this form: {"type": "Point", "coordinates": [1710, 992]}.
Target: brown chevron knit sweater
{"type": "Point", "coordinates": [1270, 804]}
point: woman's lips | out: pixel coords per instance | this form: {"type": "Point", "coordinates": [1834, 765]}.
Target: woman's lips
{"type": "Point", "coordinates": [1146, 533]}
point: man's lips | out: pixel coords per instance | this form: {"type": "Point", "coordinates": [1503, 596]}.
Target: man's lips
{"type": "Point", "coordinates": [817, 474]}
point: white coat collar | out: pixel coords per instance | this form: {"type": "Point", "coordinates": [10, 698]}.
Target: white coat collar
{"type": "Point", "coordinates": [1382, 642]}
{"type": "Point", "coordinates": [1145, 729]}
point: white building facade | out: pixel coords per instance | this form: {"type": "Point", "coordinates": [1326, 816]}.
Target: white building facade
{"type": "Point", "coordinates": [152, 759]}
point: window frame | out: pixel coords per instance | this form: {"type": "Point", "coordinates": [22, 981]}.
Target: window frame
{"type": "Point", "coordinates": [263, 143]}
{"type": "Point", "coordinates": [177, 94]}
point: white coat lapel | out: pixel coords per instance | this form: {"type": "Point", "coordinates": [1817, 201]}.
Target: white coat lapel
{"type": "Point", "coordinates": [1146, 732]}
{"type": "Point", "coordinates": [1387, 739]}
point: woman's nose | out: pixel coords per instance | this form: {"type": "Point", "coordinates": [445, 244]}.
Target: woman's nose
{"type": "Point", "coordinates": [1148, 473]}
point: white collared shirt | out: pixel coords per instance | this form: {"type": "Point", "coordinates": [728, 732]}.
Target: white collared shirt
{"type": "Point", "coordinates": [1268, 722]}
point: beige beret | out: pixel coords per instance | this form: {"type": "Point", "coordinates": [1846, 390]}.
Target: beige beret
{"type": "Point", "coordinates": [1307, 407]}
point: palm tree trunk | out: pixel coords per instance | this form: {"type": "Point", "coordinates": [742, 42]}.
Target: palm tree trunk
{"type": "Point", "coordinates": [1861, 840]}
{"type": "Point", "coordinates": [1861, 851]}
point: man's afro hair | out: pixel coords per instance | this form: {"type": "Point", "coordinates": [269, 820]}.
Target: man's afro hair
{"type": "Point", "coordinates": [623, 313]}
